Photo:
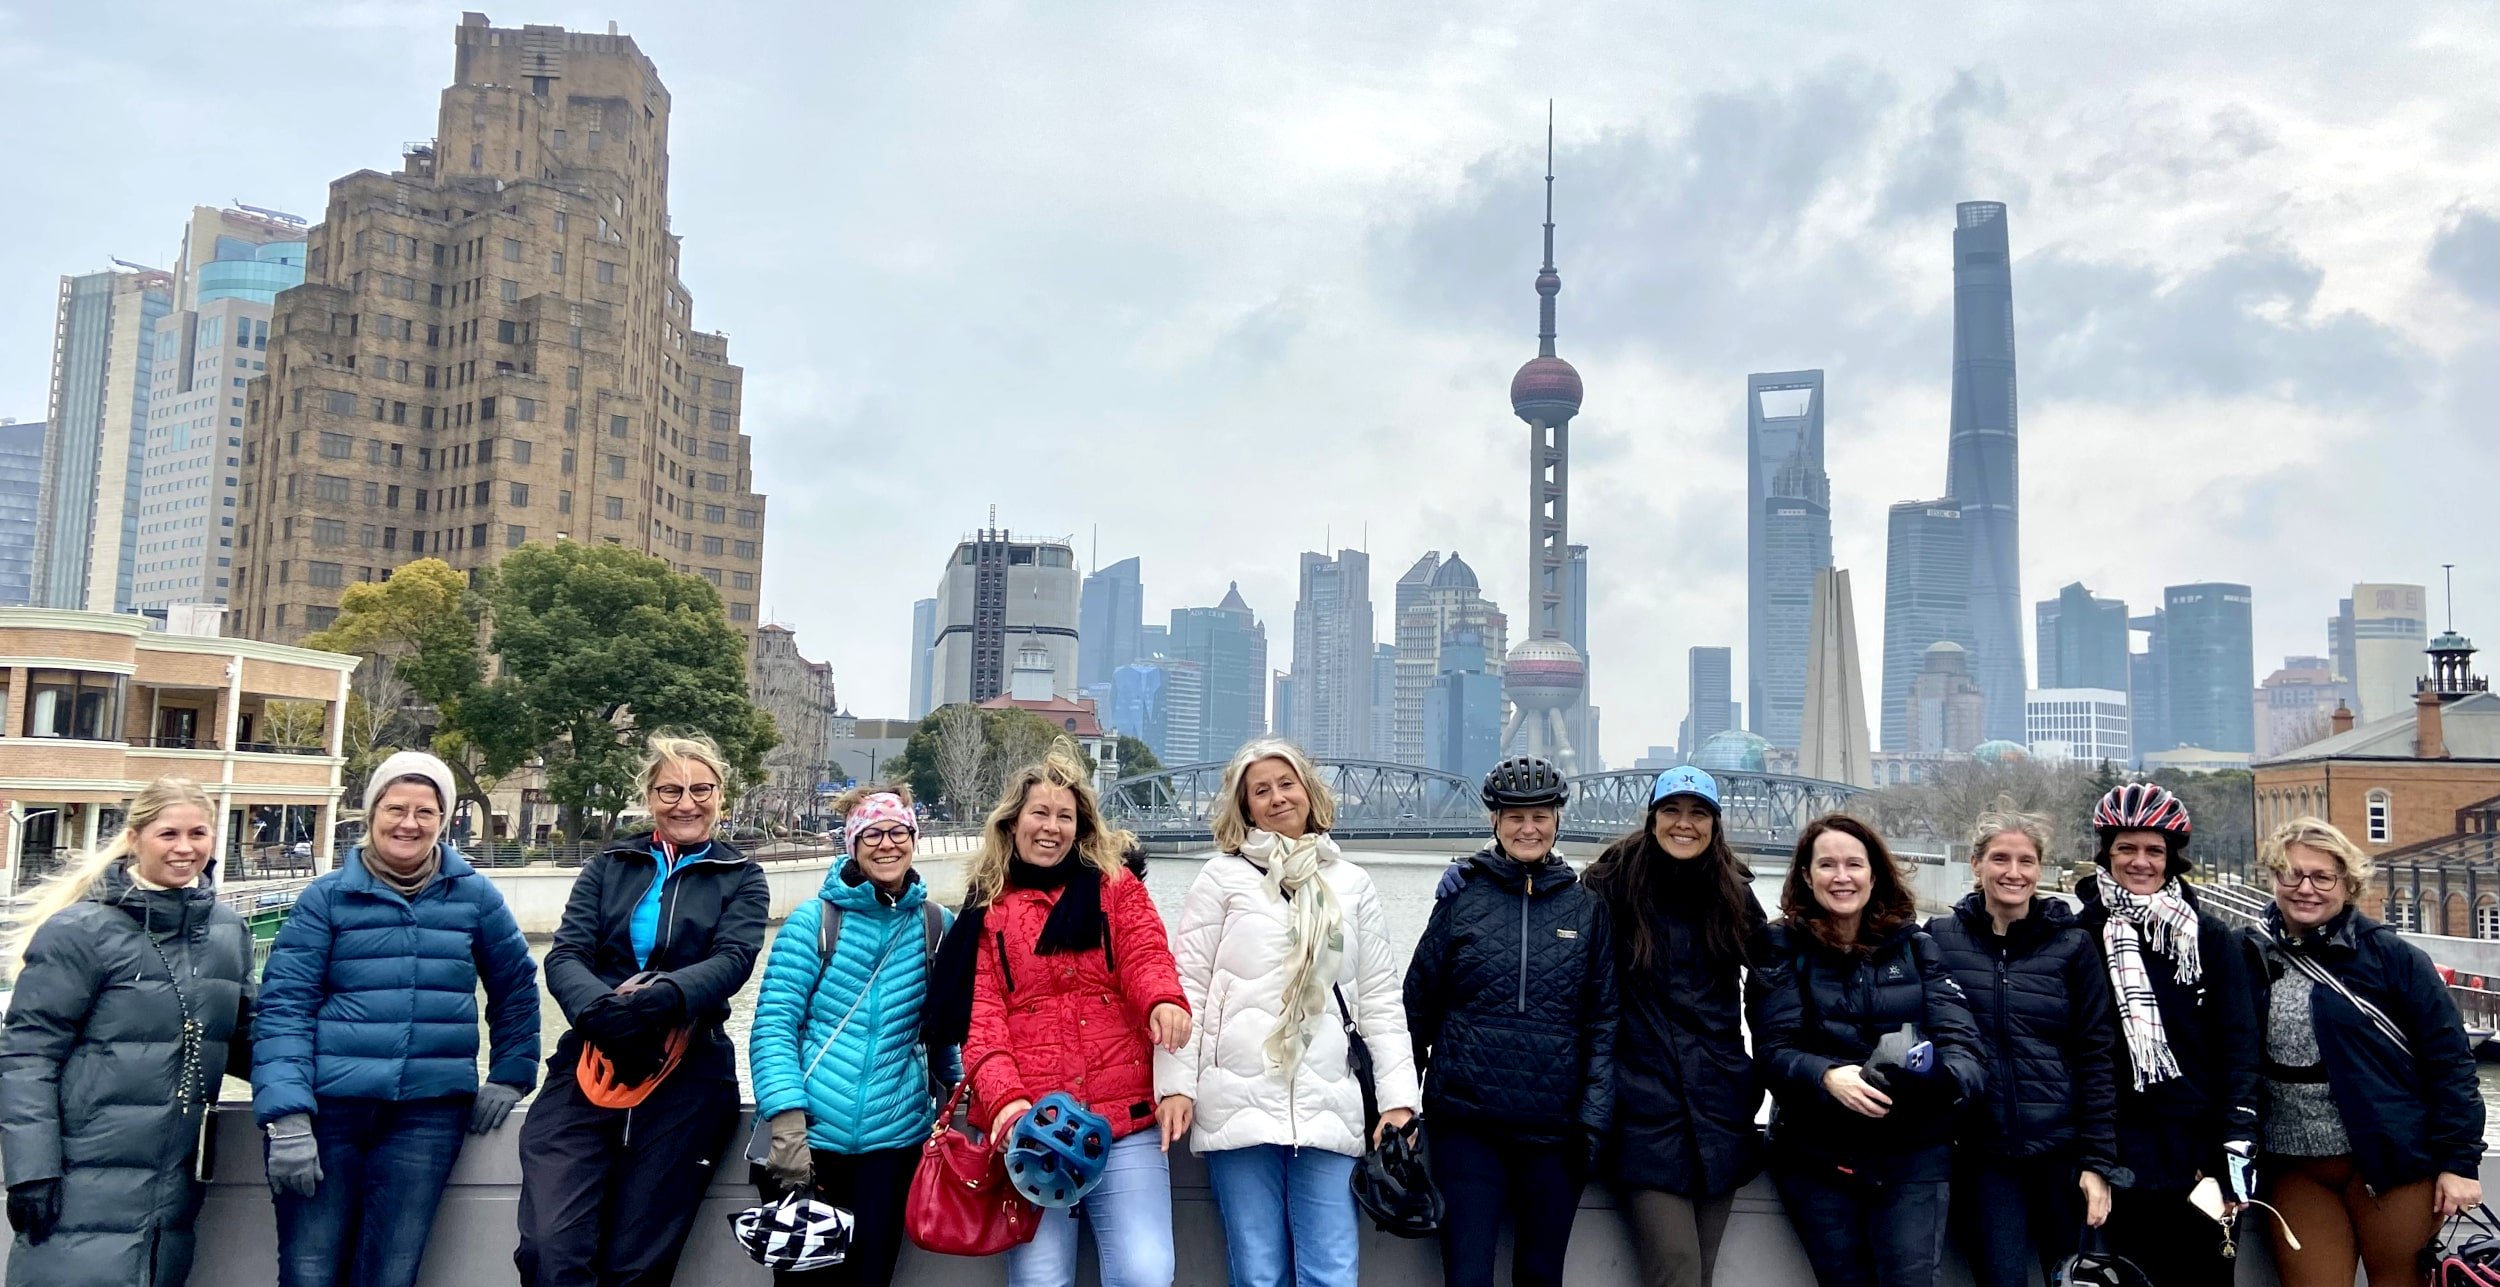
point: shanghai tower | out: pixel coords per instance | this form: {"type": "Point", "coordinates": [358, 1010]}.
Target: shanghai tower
{"type": "Point", "coordinates": [1981, 472]}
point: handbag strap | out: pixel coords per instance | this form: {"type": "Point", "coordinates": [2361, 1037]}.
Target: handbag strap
{"type": "Point", "coordinates": [1363, 1066]}
{"type": "Point", "coordinates": [2324, 977]}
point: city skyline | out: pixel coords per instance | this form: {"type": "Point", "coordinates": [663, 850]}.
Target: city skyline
{"type": "Point", "coordinates": [2203, 287]}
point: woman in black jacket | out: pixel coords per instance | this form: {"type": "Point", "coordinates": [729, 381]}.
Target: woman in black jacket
{"type": "Point", "coordinates": [1685, 922]}
{"type": "Point", "coordinates": [2187, 1076]}
{"type": "Point", "coordinates": [1868, 1048]}
{"type": "Point", "coordinates": [641, 1095]}
{"type": "Point", "coordinates": [2038, 1153]}
{"type": "Point", "coordinates": [2373, 1121]}
{"type": "Point", "coordinates": [1510, 1001]}
{"type": "Point", "coordinates": [134, 998]}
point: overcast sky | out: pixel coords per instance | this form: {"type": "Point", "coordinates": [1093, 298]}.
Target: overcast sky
{"type": "Point", "coordinates": [1223, 284]}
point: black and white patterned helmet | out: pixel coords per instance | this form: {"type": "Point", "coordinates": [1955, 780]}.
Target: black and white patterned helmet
{"type": "Point", "coordinates": [797, 1233]}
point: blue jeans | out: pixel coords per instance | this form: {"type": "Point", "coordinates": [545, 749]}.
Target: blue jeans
{"type": "Point", "coordinates": [2013, 1213]}
{"type": "Point", "coordinates": [1131, 1212]}
{"type": "Point", "coordinates": [1863, 1233]}
{"type": "Point", "coordinates": [1288, 1215]}
{"type": "Point", "coordinates": [383, 1165]}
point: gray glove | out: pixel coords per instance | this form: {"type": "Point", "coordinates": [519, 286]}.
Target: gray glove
{"type": "Point", "coordinates": [493, 1104]}
{"type": "Point", "coordinates": [789, 1163]}
{"type": "Point", "coordinates": [294, 1156]}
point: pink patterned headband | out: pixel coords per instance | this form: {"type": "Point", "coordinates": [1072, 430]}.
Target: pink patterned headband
{"type": "Point", "coordinates": [874, 810]}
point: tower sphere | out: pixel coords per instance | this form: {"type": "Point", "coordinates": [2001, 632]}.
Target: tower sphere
{"type": "Point", "coordinates": [1543, 674]}
{"type": "Point", "coordinates": [1545, 387]}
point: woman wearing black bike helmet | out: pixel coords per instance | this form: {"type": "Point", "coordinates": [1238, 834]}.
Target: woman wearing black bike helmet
{"type": "Point", "coordinates": [1510, 1000]}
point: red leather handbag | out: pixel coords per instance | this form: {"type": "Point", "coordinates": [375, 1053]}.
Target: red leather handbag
{"type": "Point", "coordinates": [960, 1202]}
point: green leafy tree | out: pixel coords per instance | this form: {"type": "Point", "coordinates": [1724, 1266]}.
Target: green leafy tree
{"type": "Point", "coordinates": [598, 647]}
{"type": "Point", "coordinates": [418, 636]}
{"type": "Point", "coordinates": [1136, 757]}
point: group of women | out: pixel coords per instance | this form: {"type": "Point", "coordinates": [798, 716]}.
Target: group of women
{"type": "Point", "coordinates": [2026, 1073]}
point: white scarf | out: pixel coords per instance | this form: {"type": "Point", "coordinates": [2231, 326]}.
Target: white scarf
{"type": "Point", "coordinates": [1314, 932]}
{"type": "Point", "coordinates": [2166, 922]}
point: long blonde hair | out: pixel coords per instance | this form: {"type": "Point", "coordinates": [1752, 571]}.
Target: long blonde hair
{"type": "Point", "coordinates": [998, 836]}
{"type": "Point", "coordinates": [72, 883]}
{"type": "Point", "coordinates": [1232, 814]}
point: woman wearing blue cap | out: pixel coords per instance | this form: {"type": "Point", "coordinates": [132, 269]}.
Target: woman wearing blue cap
{"type": "Point", "coordinates": [1686, 927]}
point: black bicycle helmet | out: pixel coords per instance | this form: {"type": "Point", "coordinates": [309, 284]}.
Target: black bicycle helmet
{"type": "Point", "coordinates": [1525, 782]}
{"type": "Point", "coordinates": [1393, 1184]}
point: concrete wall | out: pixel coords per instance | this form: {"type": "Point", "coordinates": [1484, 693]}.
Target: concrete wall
{"type": "Point", "coordinates": [474, 1232]}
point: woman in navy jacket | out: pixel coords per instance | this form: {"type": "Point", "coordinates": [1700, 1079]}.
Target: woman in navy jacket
{"type": "Point", "coordinates": [2039, 1152]}
{"type": "Point", "coordinates": [2372, 1124]}
{"type": "Point", "coordinates": [364, 1067]}
{"type": "Point", "coordinates": [1861, 1124]}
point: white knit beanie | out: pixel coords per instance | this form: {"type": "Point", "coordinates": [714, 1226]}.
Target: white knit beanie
{"type": "Point", "coordinates": [411, 764]}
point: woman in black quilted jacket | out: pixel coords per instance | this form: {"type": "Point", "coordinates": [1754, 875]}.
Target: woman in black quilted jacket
{"type": "Point", "coordinates": [2039, 1152]}
{"type": "Point", "coordinates": [1868, 1049]}
{"type": "Point", "coordinates": [1510, 1001]}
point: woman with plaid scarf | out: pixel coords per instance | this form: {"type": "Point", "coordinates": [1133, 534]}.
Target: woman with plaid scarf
{"type": "Point", "coordinates": [2187, 1084]}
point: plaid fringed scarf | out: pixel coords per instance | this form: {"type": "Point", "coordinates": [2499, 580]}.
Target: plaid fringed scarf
{"type": "Point", "coordinates": [2166, 922]}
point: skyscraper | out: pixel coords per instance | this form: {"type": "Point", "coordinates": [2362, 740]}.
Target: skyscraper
{"type": "Point", "coordinates": [1449, 600]}
{"type": "Point", "coordinates": [1463, 708]}
{"type": "Point", "coordinates": [95, 451]}
{"type": "Point", "coordinates": [996, 597]}
{"type": "Point", "coordinates": [2083, 640]}
{"type": "Point", "coordinates": [1788, 538]}
{"type": "Point", "coordinates": [208, 349]}
{"type": "Point", "coordinates": [1384, 710]}
{"type": "Point", "coordinates": [21, 500]}
{"type": "Point", "coordinates": [1419, 650]}
{"type": "Point", "coordinates": [1981, 473]}
{"type": "Point", "coordinates": [1709, 679]}
{"type": "Point", "coordinates": [1947, 711]}
{"type": "Point", "coordinates": [2390, 633]}
{"type": "Point", "coordinates": [1581, 719]}
{"type": "Point", "coordinates": [1926, 600]}
{"type": "Point", "coordinates": [1334, 656]}
{"type": "Point", "coordinates": [1282, 705]}
{"type": "Point", "coordinates": [1832, 736]}
{"type": "Point", "coordinates": [1162, 702]}
{"type": "Point", "coordinates": [1110, 618]}
{"type": "Point", "coordinates": [2148, 686]}
{"type": "Point", "coordinates": [495, 345]}
{"type": "Point", "coordinates": [2210, 667]}
{"type": "Point", "coordinates": [1545, 677]}
{"type": "Point", "coordinates": [1230, 647]}
{"type": "Point", "coordinates": [923, 655]}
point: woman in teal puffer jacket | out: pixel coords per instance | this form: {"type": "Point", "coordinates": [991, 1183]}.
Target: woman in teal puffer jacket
{"type": "Point", "coordinates": [840, 1076]}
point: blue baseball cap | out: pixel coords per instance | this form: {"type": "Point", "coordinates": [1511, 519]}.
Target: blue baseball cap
{"type": "Point", "coordinates": [1684, 779]}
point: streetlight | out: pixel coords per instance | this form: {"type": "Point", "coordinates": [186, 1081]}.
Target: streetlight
{"type": "Point", "coordinates": [19, 816]}
{"type": "Point", "coordinates": [870, 752]}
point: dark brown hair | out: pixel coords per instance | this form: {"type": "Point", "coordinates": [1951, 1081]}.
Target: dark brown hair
{"type": "Point", "coordinates": [1889, 905]}
{"type": "Point", "coordinates": [1631, 875]}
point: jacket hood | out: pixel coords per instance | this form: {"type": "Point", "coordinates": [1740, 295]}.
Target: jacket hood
{"type": "Point", "coordinates": [160, 912]}
{"type": "Point", "coordinates": [639, 846]}
{"type": "Point", "coordinates": [1490, 863]}
{"type": "Point", "coordinates": [860, 895]}
{"type": "Point", "coordinates": [2052, 913]}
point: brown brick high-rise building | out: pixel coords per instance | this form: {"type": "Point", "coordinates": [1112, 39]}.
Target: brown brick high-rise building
{"type": "Point", "coordinates": [492, 346]}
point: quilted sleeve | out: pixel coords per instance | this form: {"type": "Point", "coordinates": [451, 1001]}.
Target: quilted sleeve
{"type": "Point", "coordinates": [292, 985]}
{"type": "Point", "coordinates": [1148, 977]}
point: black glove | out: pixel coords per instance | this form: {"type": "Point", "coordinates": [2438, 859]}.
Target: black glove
{"type": "Point", "coordinates": [636, 1061]}
{"type": "Point", "coordinates": [608, 1023]}
{"type": "Point", "coordinates": [34, 1208]}
{"type": "Point", "coordinates": [660, 1004]}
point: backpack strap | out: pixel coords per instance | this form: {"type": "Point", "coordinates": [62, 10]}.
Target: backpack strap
{"type": "Point", "coordinates": [932, 927]}
{"type": "Point", "coordinates": [828, 935]}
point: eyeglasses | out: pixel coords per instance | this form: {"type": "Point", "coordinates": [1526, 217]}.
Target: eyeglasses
{"type": "Point", "coordinates": [884, 836]}
{"type": "Point", "coordinates": [671, 793]}
{"type": "Point", "coordinates": [2322, 881]}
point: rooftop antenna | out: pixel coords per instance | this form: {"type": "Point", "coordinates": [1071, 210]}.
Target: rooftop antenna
{"type": "Point", "coordinates": [1097, 554]}
{"type": "Point", "coordinates": [2449, 571]}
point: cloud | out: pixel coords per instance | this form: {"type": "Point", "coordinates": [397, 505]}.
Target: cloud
{"type": "Point", "coordinates": [2466, 254]}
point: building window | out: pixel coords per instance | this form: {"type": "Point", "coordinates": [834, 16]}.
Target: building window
{"type": "Point", "coordinates": [712, 545]}
{"type": "Point", "coordinates": [525, 409]}
{"type": "Point", "coordinates": [329, 487]}
{"type": "Point", "coordinates": [742, 612]}
{"type": "Point", "coordinates": [721, 391]}
{"type": "Point", "coordinates": [520, 495]}
{"type": "Point", "coordinates": [327, 575]}
{"type": "Point", "coordinates": [616, 507]}
{"type": "Point", "coordinates": [712, 575]}
{"type": "Point", "coordinates": [715, 482]}
{"type": "Point", "coordinates": [338, 446]}
{"type": "Point", "coordinates": [607, 271]}
{"type": "Point", "coordinates": [616, 466]}
{"type": "Point", "coordinates": [749, 518]}
{"type": "Point", "coordinates": [329, 531]}
{"type": "Point", "coordinates": [745, 549]}
{"type": "Point", "coordinates": [2381, 812]}
{"type": "Point", "coordinates": [74, 703]}
{"type": "Point", "coordinates": [720, 419]}
{"type": "Point", "coordinates": [2405, 913]}
{"type": "Point", "coordinates": [514, 535]}
{"type": "Point", "coordinates": [477, 536]}
{"type": "Point", "coordinates": [2487, 918]}
{"type": "Point", "coordinates": [512, 249]}
{"type": "Point", "coordinates": [741, 580]}
{"type": "Point", "coordinates": [511, 291]}
{"type": "Point", "coordinates": [617, 427]}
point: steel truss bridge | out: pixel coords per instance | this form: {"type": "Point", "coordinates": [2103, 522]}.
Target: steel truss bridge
{"type": "Point", "coordinates": [1378, 801]}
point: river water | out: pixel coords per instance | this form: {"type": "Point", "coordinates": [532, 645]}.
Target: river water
{"type": "Point", "coordinates": [1405, 882]}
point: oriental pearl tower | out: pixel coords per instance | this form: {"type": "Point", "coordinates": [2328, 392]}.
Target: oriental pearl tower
{"type": "Point", "coordinates": [1543, 676]}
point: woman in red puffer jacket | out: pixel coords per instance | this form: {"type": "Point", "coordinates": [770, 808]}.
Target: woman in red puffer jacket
{"type": "Point", "coordinates": [1073, 986]}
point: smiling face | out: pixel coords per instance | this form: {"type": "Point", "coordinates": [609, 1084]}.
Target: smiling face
{"type": "Point", "coordinates": [1273, 798]}
{"type": "Point", "coordinates": [2140, 860]}
{"type": "Point", "coordinates": [404, 824]}
{"type": "Point", "coordinates": [685, 800]}
{"type": "Point", "coordinates": [1840, 875]}
{"type": "Point", "coordinates": [1527, 835]}
{"type": "Point", "coordinates": [2008, 872]}
{"type": "Point", "coordinates": [1046, 825]}
{"type": "Point", "coordinates": [2310, 891]}
{"type": "Point", "coordinates": [1683, 825]}
{"type": "Point", "coordinates": [174, 846]}
{"type": "Point", "coordinates": [884, 853]}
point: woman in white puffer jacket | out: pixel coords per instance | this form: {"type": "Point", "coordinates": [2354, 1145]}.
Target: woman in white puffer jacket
{"type": "Point", "coordinates": [1277, 929]}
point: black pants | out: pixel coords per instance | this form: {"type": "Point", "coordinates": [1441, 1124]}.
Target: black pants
{"type": "Point", "coordinates": [1481, 1176]}
{"type": "Point", "coordinates": [1861, 1233]}
{"type": "Point", "coordinates": [2173, 1243]}
{"type": "Point", "coordinates": [608, 1195]}
{"type": "Point", "coordinates": [2012, 1213]}
{"type": "Point", "coordinates": [872, 1187]}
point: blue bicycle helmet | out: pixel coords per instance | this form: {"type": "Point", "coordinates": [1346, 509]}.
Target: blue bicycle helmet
{"type": "Point", "coordinates": [1055, 1152]}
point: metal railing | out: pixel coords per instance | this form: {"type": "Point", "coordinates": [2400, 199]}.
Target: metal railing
{"type": "Point", "coordinates": [279, 748]}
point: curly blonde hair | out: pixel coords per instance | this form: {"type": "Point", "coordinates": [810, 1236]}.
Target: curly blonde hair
{"type": "Point", "coordinates": [2326, 838]}
{"type": "Point", "coordinates": [1094, 840]}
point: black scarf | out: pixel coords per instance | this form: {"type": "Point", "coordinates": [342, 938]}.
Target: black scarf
{"type": "Point", "coordinates": [1076, 921]}
{"type": "Point", "coordinates": [1076, 924]}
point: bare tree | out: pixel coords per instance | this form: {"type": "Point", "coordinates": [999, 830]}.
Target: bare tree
{"type": "Point", "coordinates": [963, 757]}
{"type": "Point", "coordinates": [1019, 739]}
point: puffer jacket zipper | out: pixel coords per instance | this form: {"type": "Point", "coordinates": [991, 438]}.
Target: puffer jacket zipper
{"type": "Point", "coordinates": [2005, 1046]}
{"type": "Point", "coordinates": [1524, 899]}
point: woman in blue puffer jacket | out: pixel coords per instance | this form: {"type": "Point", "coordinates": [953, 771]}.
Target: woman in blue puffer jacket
{"type": "Point", "coordinates": [840, 1078]}
{"type": "Point", "coordinates": [364, 1061]}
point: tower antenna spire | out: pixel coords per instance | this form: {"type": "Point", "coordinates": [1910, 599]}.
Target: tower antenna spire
{"type": "Point", "coordinates": [1548, 281]}
{"type": "Point", "coordinates": [2449, 571]}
